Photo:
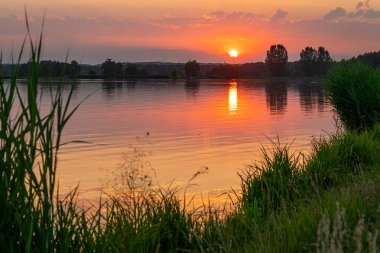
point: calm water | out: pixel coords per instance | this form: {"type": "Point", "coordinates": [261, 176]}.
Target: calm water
{"type": "Point", "coordinates": [181, 127]}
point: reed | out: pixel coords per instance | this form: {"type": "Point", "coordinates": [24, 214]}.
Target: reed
{"type": "Point", "coordinates": [30, 141]}
{"type": "Point", "coordinates": [353, 89]}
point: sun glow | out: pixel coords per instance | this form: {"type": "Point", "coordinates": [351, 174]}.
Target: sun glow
{"type": "Point", "coordinates": [233, 53]}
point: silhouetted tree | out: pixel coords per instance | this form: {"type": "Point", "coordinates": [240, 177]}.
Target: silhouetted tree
{"type": "Point", "coordinates": [131, 69]}
{"type": "Point", "coordinates": [53, 68]}
{"type": "Point", "coordinates": [174, 74]}
{"type": "Point", "coordinates": [142, 72]}
{"type": "Point", "coordinates": [73, 69]}
{"type": "Point", "coordinates": [308, 59]}
{"type": "Point", "coordinates": [314, 62]}
{"type": "Point", "coordinates": [192, 68]}
{"type": "Point", "coordinates": [257, 69]}
{"type": "Point", "coordinates": [224, 70]}
{"type": "Point", "coordinates": [23, 70]}
{"type": "Point", "coordinates": [323, 55]}
{"type": "Point", "coordinates": [91, 72]}
{"type": "Point", "coordinates": [119, 68]}
{"type": "Point", "coordinates": [371, 58]}
{"type": "Point", "coordinates": [323, 60]}
{"type": "Point", "coordinates": [277, 59]}
{"type": "Point", "coordinates": [308, 54]}
{"type": "Point", "coordinates": [109, 68]}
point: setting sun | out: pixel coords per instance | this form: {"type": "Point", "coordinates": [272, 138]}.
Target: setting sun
{"type": "Point", "coordinates": [233, 53]}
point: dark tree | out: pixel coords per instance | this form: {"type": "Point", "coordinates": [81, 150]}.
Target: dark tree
{"type": "Point", "coordinates": [119, 68]}
{"type": "Point", "coordinates": [142, 72]}
{"type": "Point", "coordinates": [323, 55]}
{"type": "Point", "coordinates": [308, 59]}
{"type": "Point", "coordinates": [308, 54]}
{"type": "Point", "coordinates": [109, 68]}
{"type": "Point", "coordinates": [45, 68]}
{"type": "Point", "coordinates": [52, 68]}
{"type": "Point", "coordinates": [323, 61]}
{"type": "Point", "coordinates": [192, 69]}
{"type": "Point", "coordinates": [131, 69]}
{"type": "Point", "coordinates": [91, 72]}
{"type": "Point", "coordinates": [23, 70]}
{"type": "Point", "coordinates": [174, 74]}
{"type": "Point", "coordinates": [224, 70]}
{"type": "Point", "coordinates": [314, 62]}
{"type": "Point", "coordinates": [277, 60]}
{"type": "Point", "coordinates": [371, 58]}
{"type": "Point", "coordinates": [73, 69]}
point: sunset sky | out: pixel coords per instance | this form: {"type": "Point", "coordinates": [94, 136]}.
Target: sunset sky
{"type": "Point", "coordinates": [205, 30]}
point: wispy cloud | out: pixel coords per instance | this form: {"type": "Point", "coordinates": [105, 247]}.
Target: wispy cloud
{"type": "Point", "coordinates": [280, 15]}
{"type": "Point", "coordinates": [342, 31]}
{"type": "Point", "coordinates": [362, 12]}
{"type": "Point", "coordinates": [335, 14]}
{"type": "Point", "coordinates": [215, 17]}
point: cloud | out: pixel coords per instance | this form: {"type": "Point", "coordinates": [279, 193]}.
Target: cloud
{"type": "Point", "coordinates": [361, 5]}
{"type": "Point", "coordinates": [364, 11]}
{"type": "Point", "coordinates": [339, 12]}
{"type": "Point", "coordinates": [214, 18]}
{"type": "Point", "coordinates": [241, 16]}
{"type": "Point", "coordinates": [280, 15]}
{"type": "Point", "coordinates": [176, 38]}
{"type": "Point", "coordinates": [372, 14]}
{"type": "Point", "coordinates": [215, 15]}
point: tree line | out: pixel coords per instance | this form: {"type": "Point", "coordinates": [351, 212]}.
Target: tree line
{"type": "Point", "coordinates": [114, 69]}
{"type": "Point", "coordinates": [312, 62]}
{"type": "Point", "coordinates": [52, 69]}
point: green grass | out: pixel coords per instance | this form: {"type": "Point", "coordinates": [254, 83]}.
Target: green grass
{"type": "Point", "coordinates": [354, 91]}
{"type": "Point", "coordinates": [29, 143]}
{"type": "Point", "coordinates": [325, 202]}
{"type": "Point", "coordinates": [271, 183]}
{"type": "Point", "coordinates": [331, 180]}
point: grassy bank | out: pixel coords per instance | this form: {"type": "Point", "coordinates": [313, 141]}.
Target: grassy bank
{"type": "Point", "coordinates": [325, 202]}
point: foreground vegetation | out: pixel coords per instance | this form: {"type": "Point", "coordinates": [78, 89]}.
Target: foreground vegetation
{"type": "Point", "coordinates": [327, 201]}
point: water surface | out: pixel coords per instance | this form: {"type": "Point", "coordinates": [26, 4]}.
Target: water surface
{"type": "Point", "coordinates": [180, 127]}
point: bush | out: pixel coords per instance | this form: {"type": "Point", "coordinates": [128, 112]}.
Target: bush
{"type": "Point", "coordinates": [353, 89]}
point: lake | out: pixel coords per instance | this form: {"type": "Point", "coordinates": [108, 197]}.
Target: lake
{"type": "Point", "coordinates": [172, 129]}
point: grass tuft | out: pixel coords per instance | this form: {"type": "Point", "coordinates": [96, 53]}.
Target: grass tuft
{"type": "Point", "coordinates": [272, 183]}
{"type": "Point", "coordinates": [353, 89]}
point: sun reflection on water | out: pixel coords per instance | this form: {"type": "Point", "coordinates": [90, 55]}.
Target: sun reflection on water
{"type": "Point", "coordinates": [232, 98]}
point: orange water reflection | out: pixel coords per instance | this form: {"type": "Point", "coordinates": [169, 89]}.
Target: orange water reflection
{"type": "Point", "coordinates": [186, 125]}
{"type": "Point", "coordinates": [232, 98]}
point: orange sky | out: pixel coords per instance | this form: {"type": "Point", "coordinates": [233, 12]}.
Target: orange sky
{"type": "Point", "coordinates": [169, 30]}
